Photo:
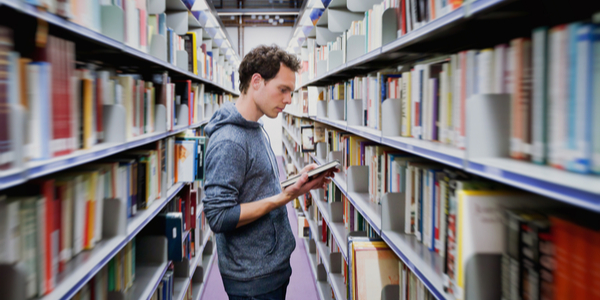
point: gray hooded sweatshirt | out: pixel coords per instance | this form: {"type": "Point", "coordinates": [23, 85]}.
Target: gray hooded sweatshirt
{"type": "Point", "coordinates": [240, 168]}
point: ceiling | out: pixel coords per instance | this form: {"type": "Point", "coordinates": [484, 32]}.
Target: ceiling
{"type": "Point", "coordinates": [255, 13]}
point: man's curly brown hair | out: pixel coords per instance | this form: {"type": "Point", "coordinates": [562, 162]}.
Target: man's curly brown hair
{"type": "Point", "coordinates": [266, 61]}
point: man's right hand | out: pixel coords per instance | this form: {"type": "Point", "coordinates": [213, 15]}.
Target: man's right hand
{"type": "Point", "coordinates": [303, 186]}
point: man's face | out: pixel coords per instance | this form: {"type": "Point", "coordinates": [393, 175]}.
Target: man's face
{"type": "Point", "coordinates": [272, 96]}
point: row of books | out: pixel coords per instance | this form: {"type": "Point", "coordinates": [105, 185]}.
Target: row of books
{"type": "Point", "coordinates": [382, 265]}
{"type": "Point", "coordinates": [140, 30]}
{"type": "Point", "coordinates": [552, 104]}
{"type": "Point", "coordinates": [456, 216]}
{"type": "Point", "coordinates": [117, 276]}
{"type": "Point", "coordinates": [165, 289]}
{"type": "Point", "coordinates": [410, 15]}
{"type": "Point", "coordinates": [63, 115]}
{"type": "Point", "coordinates": [62, 214]}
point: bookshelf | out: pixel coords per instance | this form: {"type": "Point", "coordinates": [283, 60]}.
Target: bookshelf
{"type": "Point", "coordinates": [35, 169]}
{"type": "Point", "coordinates": [124, 221]}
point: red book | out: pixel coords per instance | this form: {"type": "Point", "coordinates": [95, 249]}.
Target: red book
{"type": "Point", "coordinates": [61, 105]}
{"type": "Point", "coordinates": [193, 208]}
{"type": "Point", "coordinates": [324, 231]}
{"type": "Point", "coordinates": [403, 16]}
{"type": "Point", "coordinates": [579, 265]}
{"type": "Point", "coordinates": [561, 230]}
{"type": "Point", "coordinates": [594, 259]}
{"type": "Point", "coordinates": [52, 234]}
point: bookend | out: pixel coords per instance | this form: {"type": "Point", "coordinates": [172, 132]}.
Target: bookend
{"type": "Point", "coordinates": [483, 277]}
{"type": "Point", "coordinates": [304, 77]}
{"type": "Point", "coordinates": [321, 67]}
{"type": "Point", "coordinates": [335, 262]}
{"type": "Point", "coordinates": [160, 118]}
{"type": "Point", "coordinates": [321, 273]}
{"type": "Point", "coordinates": [158, 47]}
{"type": "Point", "coordinates": [208, 248]}
{"type": "Point", "coordinates": [393, 212]}
{"type": "Point", "coordinates": [358, 179]}
{"type": "Point", "coordinates": [156, 7]}
{"type": "Point", "coordinates": [391, 117]}
{"type": "Point", "coordinates": [488, 126]}
{"type": "Point", "coordinates": [341, 18]}
{"type": "Point", "coordinates": [336, 59]}
{"type": "Point", "coordinates": [151, 249]}
{"type": "Point", "coordinates": [182, 113]}
{"type": "Point", "coordinates": [389, 26]}
{"type": "Point", "coordinates": [198, 276]}
{"type": "Point", "coordinates": [112, 22]}
{"type": "Point", "coordinates": [335, 111]}
{"type": "Point", "coordinates": [182, 59]}
{"type": "Point", "coordinates": [12, 281]}
{"type": "Point", "coordinates": [178, 21]}
{"type": "Point", "coordinates": [113, 120]}
{"type": "Point", "coordinates": [355, 112]}
{"type": "Point", "coordinates": [321, 151]}
{"type": "Point", "coordinates": [390, 292]}
{"type": "Point", "coordinates": [114, 218]}
{"type": "Point", "coordinates": [336, 212]}
{"type": "Point", "coordinates": [18, 124]}
{"type": "Point", "coordinates": [355, 47]}
{"type": "Point", "coordinates": [312, 246]}
{"type": "Point", "coordinates": [322, 109]}
{"type": "Point", "coordinates": [361, 5]}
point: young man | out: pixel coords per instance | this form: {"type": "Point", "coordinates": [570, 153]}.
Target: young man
{"type": "Point", "coordinates": [244, 203]}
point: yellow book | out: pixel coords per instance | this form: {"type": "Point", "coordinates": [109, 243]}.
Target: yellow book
{"type": "Point", "coordinates": [92, 179]}
{"type": "Point", "coordinates": [194, 55]}
{"type": "Point", "coordinates": [127, 83]}
{"type": "Point", "coordinates": [88, 108]}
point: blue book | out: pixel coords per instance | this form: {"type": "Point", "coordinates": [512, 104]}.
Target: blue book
{"type": "Point", "coordinates": [174, 233]}
{"type": "Point", "coordinates": [580, 97]}
{"type": "Point", "coordinates": [572, 85]}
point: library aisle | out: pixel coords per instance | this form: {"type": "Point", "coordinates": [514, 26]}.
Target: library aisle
{"type": "Point", "coordinates": [300, 288]}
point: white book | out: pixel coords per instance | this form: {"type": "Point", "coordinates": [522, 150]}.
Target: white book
{"type": "Point", "coordinates": [558, 95]}
{"type": "Point", "coordinates": [409, 205]}
{"type": "Point", "coordinates": [415, 102]}
{"type": "Point", "coordinates": [9, 230]}
{"type": "Point", "coordinates": [443, 110]}
{"type": "Point", "coordinates": [500, 68]}
{"type": "Point", "coordinates": [185, 161]}
{"type": "Point", "coordinates": [485, 71]}
{"type": "Point", "coordinates": [67, 206]}
{"type": "Point", "coordinates": [455, 99]}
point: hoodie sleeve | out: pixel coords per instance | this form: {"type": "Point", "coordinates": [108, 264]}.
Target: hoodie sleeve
{"type": "Point", "coordinates": [225, 175]}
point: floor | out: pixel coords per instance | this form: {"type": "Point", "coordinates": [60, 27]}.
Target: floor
{"type": "Point", "coordinates": [302, 284]}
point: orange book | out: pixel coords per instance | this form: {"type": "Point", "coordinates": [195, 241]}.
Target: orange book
{"type": "Point", "coordinates": [521, 98]}
{"type": "Point", "coordinates": [579, 265]}
{"type": "Point", "coordinates": [561, 230]}
{"type": "Point", "coordinates": [176, 162]}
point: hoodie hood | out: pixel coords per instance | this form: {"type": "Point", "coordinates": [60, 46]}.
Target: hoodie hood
{"type": "Point", "coordinates": [228, 114]}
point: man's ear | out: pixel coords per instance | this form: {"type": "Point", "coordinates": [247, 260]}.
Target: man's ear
{"type": "Point", "coordinates": [256, 81]}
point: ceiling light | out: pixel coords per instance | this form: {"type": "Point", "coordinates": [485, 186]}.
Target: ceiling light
{"type": "Point", "coordinates": [276, 17]}
{"type": "Point", "coordinates": [260, 17]}
{"type": "Point", "coordinates": [232, 17]}
{"type": "Point", "coordinates": [281, 21]}
{"type": "Point", "coordinates": [253, 17]}
{"type": "Point", "coordinates": [270, 20]}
